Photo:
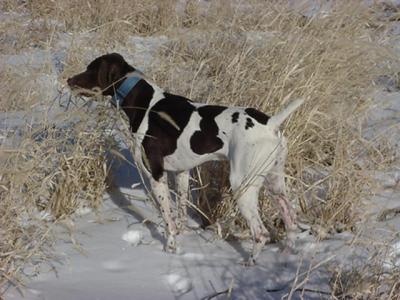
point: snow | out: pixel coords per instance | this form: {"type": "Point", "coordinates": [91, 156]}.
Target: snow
{"type": "Point", "coordinates": [133, 237]}
{"type": "Point", "coordinates": [311, 8]}
{"type": "Point", "coordinates": [392, 259]}
{"type": "Point", "coordinates": [81, 211]}
{"type": "Point", "coordinates": [194, 256]}
{"type": "Point", "coordinates": [178, 284]}
{"type": "Point", "coordinates": [145, 50]}
{"type": "Point", "coordinates": [106, 266]}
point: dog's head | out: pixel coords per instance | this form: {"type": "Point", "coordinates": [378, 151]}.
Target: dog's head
{"type": "Point", "coordinates": [105, 73]}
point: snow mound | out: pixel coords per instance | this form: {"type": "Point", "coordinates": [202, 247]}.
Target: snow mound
{"type": "Point", "coordinates": [81, 211]}
{"type": "Point", "coordinates": [133, 237]}
{"type": "Point", "coordinates": [178, 284]}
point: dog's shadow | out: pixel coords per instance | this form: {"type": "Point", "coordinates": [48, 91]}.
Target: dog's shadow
{"type": "Point", "coordinates": [119, 199]}
{"type": "Point", "coordinates": [123, 174]}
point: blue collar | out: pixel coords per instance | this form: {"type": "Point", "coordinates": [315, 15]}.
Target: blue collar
{"type": "Point", "coordinates": [127, 85]}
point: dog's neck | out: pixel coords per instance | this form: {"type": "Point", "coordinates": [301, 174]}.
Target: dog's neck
{"type": "Point", "coordinates": [136, 101]}
{"type": "Point", "coordinates": [124, 86]}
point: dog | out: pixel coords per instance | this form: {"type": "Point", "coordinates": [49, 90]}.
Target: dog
{"type": "Point", "coordinates": [176, 134]}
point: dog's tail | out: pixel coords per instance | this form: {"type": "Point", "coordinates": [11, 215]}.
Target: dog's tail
{"type": "Point", "coordinates": [276, 120]}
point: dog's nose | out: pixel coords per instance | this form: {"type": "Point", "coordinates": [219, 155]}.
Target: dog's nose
{"type": "Point", "coordinates": [70, 81]}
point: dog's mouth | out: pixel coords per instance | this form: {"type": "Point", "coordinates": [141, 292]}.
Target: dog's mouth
{"type": "Point", "coordinates": [79, 91]}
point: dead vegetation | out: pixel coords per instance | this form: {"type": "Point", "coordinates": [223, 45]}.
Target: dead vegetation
{"type": "Point", "coordinates": [378, 277]}
{"type": "Point", "coordinates": [49, 172]}
{"type": "Point", "coordinates": [257, 54]}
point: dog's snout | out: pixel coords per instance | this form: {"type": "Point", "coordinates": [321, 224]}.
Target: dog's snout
{"type": "Point", "coordinates": [70, 81]}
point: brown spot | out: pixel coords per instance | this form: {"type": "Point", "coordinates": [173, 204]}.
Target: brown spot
{"type": "Point", "coordinates": [206, 139]}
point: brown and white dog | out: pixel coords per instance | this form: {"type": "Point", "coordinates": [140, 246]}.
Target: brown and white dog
{"type": "Point", "coordinates": [175, 134]}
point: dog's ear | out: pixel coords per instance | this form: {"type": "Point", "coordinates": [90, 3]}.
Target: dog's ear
{"type": "Point", "coordinates": [102, 75]}
{"type": "Point", "coordinates": [108, 74]}
{"type": "Point", "coordinates": [114, 74]}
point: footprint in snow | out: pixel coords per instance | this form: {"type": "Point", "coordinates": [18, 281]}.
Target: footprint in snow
{"type": "Point", "coordinates": [178, 284]}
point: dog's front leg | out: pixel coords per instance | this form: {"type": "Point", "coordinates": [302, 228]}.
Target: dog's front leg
{"type": "Point", "coordinates": [182, 195]}
{"type": "Point", "coordinates": [161, 192]}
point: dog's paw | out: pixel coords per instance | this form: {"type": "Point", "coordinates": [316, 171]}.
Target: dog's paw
{"type": "Point", "coordinates": [248, 263]}
{"type": "Point", "coordinates": [289, 248]}
{"type": "Point", "coordinates": [170, 246]}
{"type": "Point", "coordinates": [170, 249]}
{"type": "Point", "coordinates": [289, 244]}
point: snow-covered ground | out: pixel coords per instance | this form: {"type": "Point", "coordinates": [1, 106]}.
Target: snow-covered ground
{"type": "Point", "coordinates": [118, 254]}
{"type": "Point", "coordinates": [121, 257]}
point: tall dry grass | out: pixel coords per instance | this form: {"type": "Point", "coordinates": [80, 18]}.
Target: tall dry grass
{"type": "Point", "coordinates": [48, 173]}
{"type": "Point", "coordinates": [25, 239]}
{"type": "Point", "coordinates": [249, 54]}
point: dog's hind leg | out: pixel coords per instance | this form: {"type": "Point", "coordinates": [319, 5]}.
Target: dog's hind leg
{"type": "Point", "coordinates": [285, 208]}
{"type": "Point", "coordinates": [163, 197]}
{"type": "Point", "coordinates": [182, 195]}
{"type": "Point", "coordinates": [277, 188]}
{"type": "Point", "coordinates": [247, 199]}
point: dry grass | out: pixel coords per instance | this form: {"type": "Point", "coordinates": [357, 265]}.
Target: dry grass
{"type": "Point", "coordinates": [52, 170]}
{"type": "Point", "coordinates": [25, 86]}
{"type": "Point", "coordinates": [255, 55]}
{"type": "Point", "coordinates": [378, 277]}
{"type": "Point", "coordinates": [25, 238]}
